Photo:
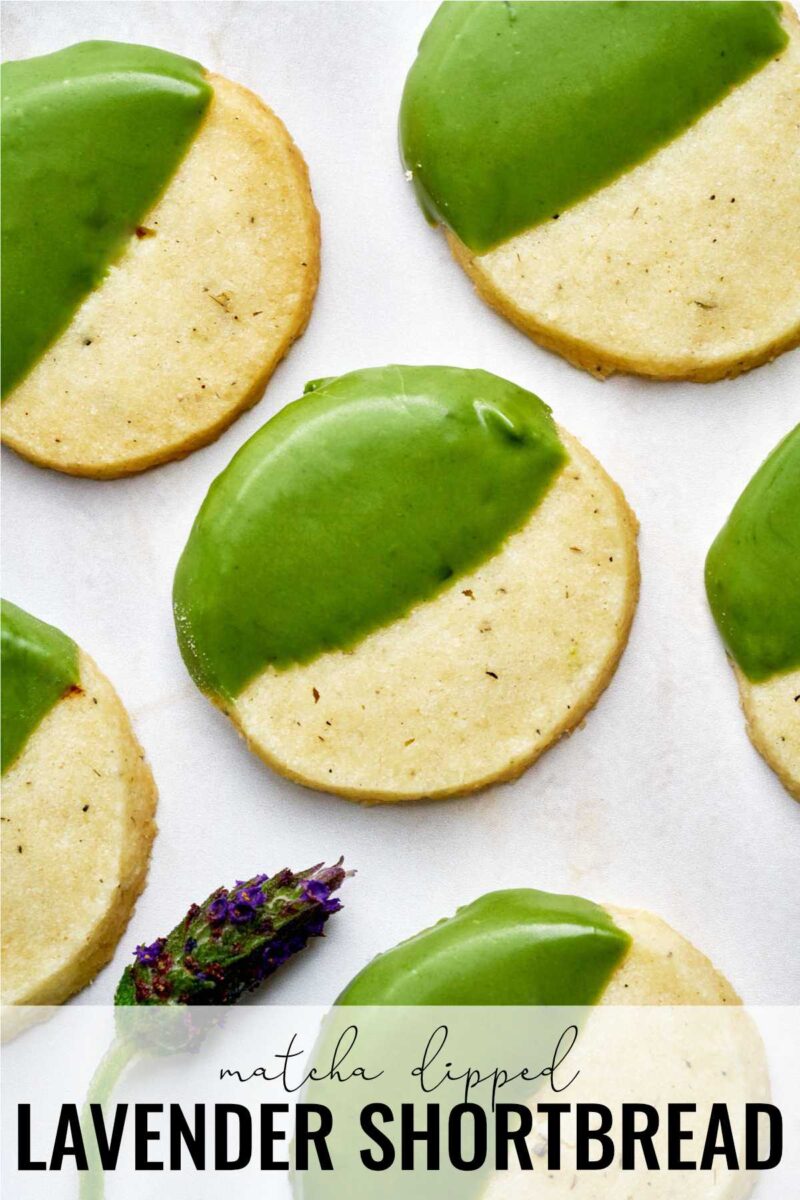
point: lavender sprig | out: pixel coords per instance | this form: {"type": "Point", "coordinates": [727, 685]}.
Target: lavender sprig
{"type": "Point", "coordinates": [221, 949]}
{"type": "Point", "coordinates": [234, 940]}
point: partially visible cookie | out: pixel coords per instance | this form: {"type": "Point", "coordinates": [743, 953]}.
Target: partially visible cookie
{"type": "Point", "coordinates": [408, 584]}
{"type": "Point", "coordinates": [524, 947]}
{"type": "Point", "coordinates": [516, 947]}
{"type": "Point", "coordinates": [646, 1007]}
{"type": "Point", "coordinates": [630, 1048]}
{"type": "Point", "coordinates": [772, 710]}
{"type": "Point", "coordinates": [633, 209]}
{"type": "Point", "coordinates": [662, 966]}
{"type": "Point", "coordinates": [753, 586]}
{"type": "Point", "coordinates": [78, 808]}
{"type": "Point", "coordinates": [201, 295]}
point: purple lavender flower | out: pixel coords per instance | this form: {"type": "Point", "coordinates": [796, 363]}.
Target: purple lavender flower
{"type": "Point", "coordinates": [315, 889]}
{"type": "Point", "coordinates": [235, 940]}
{"type": "Point", "coordinates": [218, 907]}
{"type": "Point", "coordinates": [146, 956]}
{"type": "Point", "coordinates": [250, 894]}
{"type": "Point", "coordinates": [239, 912]}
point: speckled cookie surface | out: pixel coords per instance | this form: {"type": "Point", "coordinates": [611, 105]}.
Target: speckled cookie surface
{"type": "Point", "coordinates": [184, 331]}
{"type": "Point", "coordinates": [78, 808]}
{"type": "Point", "coordinates": [772, 711]}
{"type": "Point", "coordinates": [684, 267]}
{"type": "Point", "coordinates": [472, 686]}
{"type": "Point", "coordinates": [705, 1057]}
{"type": "Point", "coordinates": [662, 966]}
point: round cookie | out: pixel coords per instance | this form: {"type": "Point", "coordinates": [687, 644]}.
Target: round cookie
{"type": "Point", "coordinates": [520, 948]}
{"type": "Point", "coordinates": [205, 280]}
{"type": "Point", "coordinates": [407, 584]}
{"type": "Point", "coordinates": [753, 586]}
{"type": "Point", "coordinates": [526, 947]}
{"type": "Point", "coordinates": [635, 209]}
{"type": "Point", "coordinates": [78, 808]}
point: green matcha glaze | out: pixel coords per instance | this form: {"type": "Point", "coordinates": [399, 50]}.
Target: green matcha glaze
{"type": "Point", "coordinates": [39, 664]}
{"type": "Point", "coordinates": [359, 500]}
{"type": "Point", "coordinates": [753, 568]}
{"type": "Point", "coordinates": [517, 947]}
{"type": "Point", "coordinates": [91, 135]}
{"type": "Point", "coordinates": [513, 112]}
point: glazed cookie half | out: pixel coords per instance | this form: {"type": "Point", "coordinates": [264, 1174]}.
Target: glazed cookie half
{"type": "Point", "coordinates": [526, 947]}
{"type": "Point", "coordinates": [753, 586]}
{"type": "Point", "coordinates": [78, 808]}
{"type": "Point", "coordinates": [635, 207]}
{"type": "Point", "coordinates": [173, 260]}
{"type": "Point", "coordinates": [407, 584]}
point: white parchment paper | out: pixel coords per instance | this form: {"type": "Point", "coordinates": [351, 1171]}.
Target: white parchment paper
{"type": "Point", "coordinates": [659, 802]}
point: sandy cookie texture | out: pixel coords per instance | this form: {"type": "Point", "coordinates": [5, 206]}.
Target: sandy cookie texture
{"type": "Point", "coordinates": [701, 1056]}
{"type": "Point", "coordinates": [78, 808]}
{"type": "Point", "coordinates": [473, 685]}
{"type": "Point", "coordinates": [662, 966]}
{"type": "Point", "coordinates": [772, 710]}
{"type": "Point", "coordinates": [685, 267]}
{"type": "Point", "coordinates": [188, 326]}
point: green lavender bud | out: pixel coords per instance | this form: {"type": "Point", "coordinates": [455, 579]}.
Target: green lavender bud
{"type": "Point", "coordinates": [234, 940]}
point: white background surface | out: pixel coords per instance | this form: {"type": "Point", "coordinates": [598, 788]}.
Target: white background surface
{"type": "Point", "coordinates": [659, 802]}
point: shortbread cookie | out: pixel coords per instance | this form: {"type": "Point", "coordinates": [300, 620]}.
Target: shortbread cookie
{"type": "Point", "coordinates": [78, 807]}
{"type": "Point", "coordinates": [753, 585]}
{"type": "Point", "coordinates": [619, 180]}
{"type": "Point", "coordinates": [407, 584]}
{"type": "Point", "coordinates": [612, 979]}
{"type": "Point", "coordinates": [524, 948]}
{"type": "Point", "coordinates": [173, 260]}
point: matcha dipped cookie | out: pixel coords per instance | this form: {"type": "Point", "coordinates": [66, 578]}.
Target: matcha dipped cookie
{"type": "Point", "coordinates": [526, 947]}
{"type": "Point", "coordinates": [408, 583]}
{"type": "Point", "coordinates": [619, 180]}
{"type": "Point", "coordinates": [753, 586]}
{"type": "Point", "coordinates": [160, 255]}
{"type": "Point", "coordinates": [613, 978]}
{"type": "Point", "coordinates": [78, 807]}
